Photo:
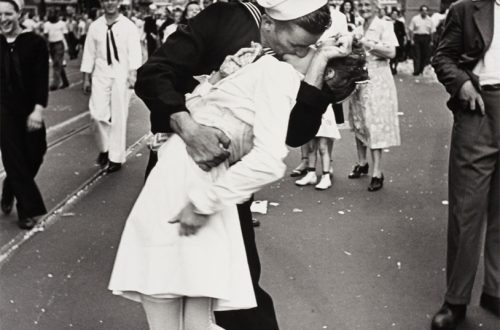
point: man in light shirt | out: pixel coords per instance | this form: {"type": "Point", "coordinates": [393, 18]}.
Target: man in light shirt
{"type": "Point", "coordinates": [111, 56]}
{"type": "Point", "coordinates": [466, 62]}
{"type": "Point", "coordinates": [420, 30]}
{"type": "Point", "coordinates": [55, 30]}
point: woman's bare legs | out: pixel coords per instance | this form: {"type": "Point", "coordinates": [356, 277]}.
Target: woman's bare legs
{"type": "Point", "coordinates": [310, 177]}
{"type": "Point", "coordinates": [361, 152]}
{"type": "Point", "coordinates": [324, 152]}
{"type": "Point", "coordinates": [330, 152]}
{"type": "Point", "coordinates": [377, 158]}
{"type": "Point", "coordinates": [163, 314]}
{"type": "Point", "coordinates": [301, 168]}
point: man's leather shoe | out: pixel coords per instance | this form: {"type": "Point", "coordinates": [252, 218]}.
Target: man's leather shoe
{"type": "Point", "coordinates": [448, 317]}
{"type": "Point", "coordinates": [7, 203]}
{"type": "Point", "coordinates": [490, 303]}
{"type": "Point", "coordinates": [102, 159]}
{"type": "Point", "coordinates": [113, 167]}
{"type": "Point", "coordinates": [27, 223]}
{"type": "Point", "coordinates": [358, 171]}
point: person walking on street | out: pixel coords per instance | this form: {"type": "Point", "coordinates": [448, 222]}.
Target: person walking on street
{"type": "Point", "coordinates": [24, 76]}
{"type": "Point", "coordinates": [200, 47]}
{"type": "Point", "coordinates": [55, 31]}
{"type": "Point", "coordinates": [420, 30]}
{"type": "Point", "coordinates": [111, 56]}
{"type": "Point", "coordinates": [373, 108]}
{"type": "Point", "coordinates": [466, 63]}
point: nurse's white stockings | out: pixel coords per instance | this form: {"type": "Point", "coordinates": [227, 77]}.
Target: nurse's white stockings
{"type": "Point", "coordinates": [186, 313]}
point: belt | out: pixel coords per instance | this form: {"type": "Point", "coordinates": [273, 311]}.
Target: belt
{"type": "Point", "coordinates": [494, 87]}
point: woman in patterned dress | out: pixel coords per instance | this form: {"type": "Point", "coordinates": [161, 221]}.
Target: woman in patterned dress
{"type": "Point", "coordinates": [374, 106]}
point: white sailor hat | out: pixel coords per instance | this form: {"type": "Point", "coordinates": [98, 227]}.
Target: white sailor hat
{"type": "Point", "coordinates": [19, 4]}
{"type": "Point", "coordinates": [287, 10]}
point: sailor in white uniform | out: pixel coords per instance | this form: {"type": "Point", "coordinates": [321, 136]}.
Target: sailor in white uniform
{"type": "Point", "coordinates": [111, 56]}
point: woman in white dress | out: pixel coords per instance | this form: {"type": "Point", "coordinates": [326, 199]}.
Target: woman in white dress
{"type": "Point", "coordinates": [181, 253]}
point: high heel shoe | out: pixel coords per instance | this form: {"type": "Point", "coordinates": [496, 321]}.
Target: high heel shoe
{"type": "Point", "coordinates": [376, 183]}
{"type": "Point", "coordinates": [300, 170]}
{"type": "Point", "coordinates": [358, 171]}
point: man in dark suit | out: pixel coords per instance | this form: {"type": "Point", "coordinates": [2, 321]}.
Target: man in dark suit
{"type": "Point", "coordinates": [466, 62]}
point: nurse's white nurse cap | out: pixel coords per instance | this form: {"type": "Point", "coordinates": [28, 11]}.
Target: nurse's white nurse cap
{"type": "Point", "coordinates": [287, 10]}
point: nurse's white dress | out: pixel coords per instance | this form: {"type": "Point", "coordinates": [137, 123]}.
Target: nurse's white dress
{"type": "Point", "coordinates": [252, 107]}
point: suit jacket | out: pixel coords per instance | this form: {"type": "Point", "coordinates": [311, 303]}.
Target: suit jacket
{"type": "Point", "coordinates": [467, 34]}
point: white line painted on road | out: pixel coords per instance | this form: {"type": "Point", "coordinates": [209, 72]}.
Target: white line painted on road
{"type": "Point", "coordinates": [70, 121]}
{"type": "Point", "coordinates": [55, 213]}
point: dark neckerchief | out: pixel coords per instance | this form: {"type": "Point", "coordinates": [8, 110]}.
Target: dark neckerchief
{"type": "Point", "coordinates": [109, 34]}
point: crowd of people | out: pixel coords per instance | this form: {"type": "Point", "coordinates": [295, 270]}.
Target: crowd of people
{"type": "Point", "coordinates": [225, 104]}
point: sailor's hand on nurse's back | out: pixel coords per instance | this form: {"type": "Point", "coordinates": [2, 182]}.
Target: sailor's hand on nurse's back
{"type": "Point", "coordinates": [206, 145]}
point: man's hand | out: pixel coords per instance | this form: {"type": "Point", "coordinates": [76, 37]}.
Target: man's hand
{"type": "Point", "coordinates": [35, 119]}
{"type": "Point", "coordinates": [242, 57]}
{"type": "Point", "coordinates": [190, 222]}
{"type": "Point", "coordinates": [87, 85]}
{"type": "Point", "coordinates": [206, 145]}
{"type": "Point", "coordinates": [469, 94]}
{"type": "Point", "coordinates": [131, 79]}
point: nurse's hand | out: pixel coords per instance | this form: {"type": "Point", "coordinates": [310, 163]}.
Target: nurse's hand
{"type": "Point", "coordinates": [206, 145]}
{"type": "Point", "coordinates": [190, 222]}
{"type": "Point", "coordinates": [35, 119]}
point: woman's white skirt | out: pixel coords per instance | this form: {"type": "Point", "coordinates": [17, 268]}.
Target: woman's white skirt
{"type": "Point", "coordinates": [328, 126]}
{"type": "Point", "coordinates": [153, 259]}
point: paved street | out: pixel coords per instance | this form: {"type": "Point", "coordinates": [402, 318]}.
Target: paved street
{"type": "Point", "coordinates": [343, 258]}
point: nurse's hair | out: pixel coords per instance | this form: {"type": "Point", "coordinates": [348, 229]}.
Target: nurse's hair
{"type": "Point", "coordinates": [343, 75]}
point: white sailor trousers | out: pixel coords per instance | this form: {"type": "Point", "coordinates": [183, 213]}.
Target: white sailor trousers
{"type": "Point", "coordinates": [108, 106]}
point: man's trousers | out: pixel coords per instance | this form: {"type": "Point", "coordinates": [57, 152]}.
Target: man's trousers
{"type": "Point", "coordinates": [58, 72]}
{"type": "Point", "coordinates": [421, 52]}
{"type": "Point", "coordinates": [474, 200]}
{"type": "Point", "coordinates": [108, 106]}
{"type": "Point", "coordinates": [22, 156]}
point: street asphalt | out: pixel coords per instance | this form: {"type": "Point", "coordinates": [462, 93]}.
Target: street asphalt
{"type": "Point", "coordinates": [343, 258]}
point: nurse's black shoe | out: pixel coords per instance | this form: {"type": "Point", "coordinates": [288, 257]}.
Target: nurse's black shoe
{"type": "Point", "coordinates": [113, 167]}
{"type": "Point", "coordinates": [27, 223]}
